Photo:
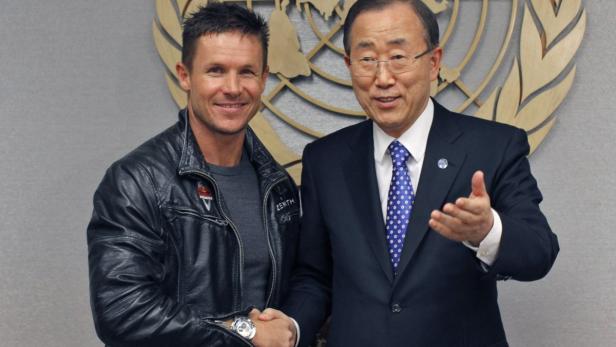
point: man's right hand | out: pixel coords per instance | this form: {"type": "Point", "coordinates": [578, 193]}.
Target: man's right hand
{"type": "Point", "coordinates": [277, 330]}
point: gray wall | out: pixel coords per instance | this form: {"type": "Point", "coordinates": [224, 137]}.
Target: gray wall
{"type": "Point", "coordinates": [81, 84]}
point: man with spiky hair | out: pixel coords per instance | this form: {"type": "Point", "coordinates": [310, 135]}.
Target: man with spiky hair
{"type": "Point", "coordinates": [411, 217]}
{"type": "Point", "coordinates": [194, 232]}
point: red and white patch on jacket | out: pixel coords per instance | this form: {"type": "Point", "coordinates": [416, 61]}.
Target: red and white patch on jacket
{"type": "Point", "coordinates": [205, 194]}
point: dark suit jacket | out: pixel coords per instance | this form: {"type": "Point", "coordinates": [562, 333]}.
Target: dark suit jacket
{"type": "Point", "coordinates": [441, 296]}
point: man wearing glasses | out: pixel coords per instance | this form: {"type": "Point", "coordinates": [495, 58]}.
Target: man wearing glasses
{"type": "Point", "coordinates": [411, 217]}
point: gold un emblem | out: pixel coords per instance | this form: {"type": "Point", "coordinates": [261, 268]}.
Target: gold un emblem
{"type": "Point", "coordinates": [537, 41]}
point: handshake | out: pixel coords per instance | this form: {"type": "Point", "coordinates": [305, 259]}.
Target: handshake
{"type": "Point", "coordinates": [273, 329]}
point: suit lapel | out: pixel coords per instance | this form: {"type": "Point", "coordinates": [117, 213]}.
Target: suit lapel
{"type": "Point", "coordinates": [364, 192]}
{"type": "Point", "coordinates": [435, 182]}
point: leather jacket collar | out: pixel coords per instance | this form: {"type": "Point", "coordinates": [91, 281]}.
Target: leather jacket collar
{"type": "Point", "coordinates": [192, 159]}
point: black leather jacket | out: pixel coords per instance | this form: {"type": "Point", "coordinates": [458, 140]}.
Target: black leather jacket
{"type": "Point", "coordinates": [163, 267]}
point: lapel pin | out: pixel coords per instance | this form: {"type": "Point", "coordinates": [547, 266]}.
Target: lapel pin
{"type": "Point", "coordinates": [442, 163]}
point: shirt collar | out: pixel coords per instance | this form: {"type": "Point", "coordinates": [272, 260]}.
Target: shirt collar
{"type": "Point", "coordinates": [414, 138]}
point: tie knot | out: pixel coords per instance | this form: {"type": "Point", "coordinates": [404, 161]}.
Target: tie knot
{"type": "Point", "coordinates": [399, 154]}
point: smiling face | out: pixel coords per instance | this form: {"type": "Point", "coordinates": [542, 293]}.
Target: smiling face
{"type": "Point", "coordinates": [392, 101]}
{"type": "Point", "coordinates": [224, 83]}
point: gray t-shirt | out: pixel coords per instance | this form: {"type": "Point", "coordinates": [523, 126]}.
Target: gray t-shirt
{"type": "Point", "coordinates": [239, 188]}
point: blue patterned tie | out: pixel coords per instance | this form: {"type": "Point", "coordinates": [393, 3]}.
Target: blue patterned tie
{"type": "Point", "coordinates": [399, 202]}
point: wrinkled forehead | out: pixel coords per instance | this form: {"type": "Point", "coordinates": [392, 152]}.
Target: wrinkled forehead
{"type": "Point", "coordinates": [371, 44]}
{"type": "Point", "coordinates": [387, 28]}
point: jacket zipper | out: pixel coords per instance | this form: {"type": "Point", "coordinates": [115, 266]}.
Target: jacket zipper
{"type": "Point", "coordinates": [235, 232]}
{"type": "Point", "coordinates": [269, 243]}
{"type": "Point", "coordinates": [239, 240]}
{"type": "Point", "coordinates": [217, 221]}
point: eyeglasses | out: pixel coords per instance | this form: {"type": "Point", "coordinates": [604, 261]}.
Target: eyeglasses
{"type": "Point", "coordinates": [399, 63]}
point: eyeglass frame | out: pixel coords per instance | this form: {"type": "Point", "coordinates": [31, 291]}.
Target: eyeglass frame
{"type": "Point", "coordinates": [376, 62]}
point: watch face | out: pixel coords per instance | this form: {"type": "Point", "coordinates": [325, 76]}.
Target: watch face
{"type": "Point", "coordinates": [244, 327]}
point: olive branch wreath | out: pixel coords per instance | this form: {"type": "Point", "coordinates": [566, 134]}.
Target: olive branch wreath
{"type": "Point", "coordinates": [526, 99]}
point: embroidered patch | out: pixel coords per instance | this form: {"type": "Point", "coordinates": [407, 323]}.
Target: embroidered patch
{"type": "Point", "coordinates": [284, 204]}
{"type": "Point", "coordinates": [205, 194]}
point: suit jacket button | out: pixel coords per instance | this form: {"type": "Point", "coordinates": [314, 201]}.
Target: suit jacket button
{"type": "Point", "coordinates": [395, 308]}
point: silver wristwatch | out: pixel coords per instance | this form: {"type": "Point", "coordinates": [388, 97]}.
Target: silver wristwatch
{"type": "Point", "coordinates": [244, 327]}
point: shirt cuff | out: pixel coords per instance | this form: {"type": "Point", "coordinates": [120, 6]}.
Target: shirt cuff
{"type": "Point", "coordinates": [487, 251]}
{"type": "Point", "coordinates": [296, 331]}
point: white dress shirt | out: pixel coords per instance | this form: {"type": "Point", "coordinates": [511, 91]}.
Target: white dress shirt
{"type": "Point", "coordinates": [415, 140]}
